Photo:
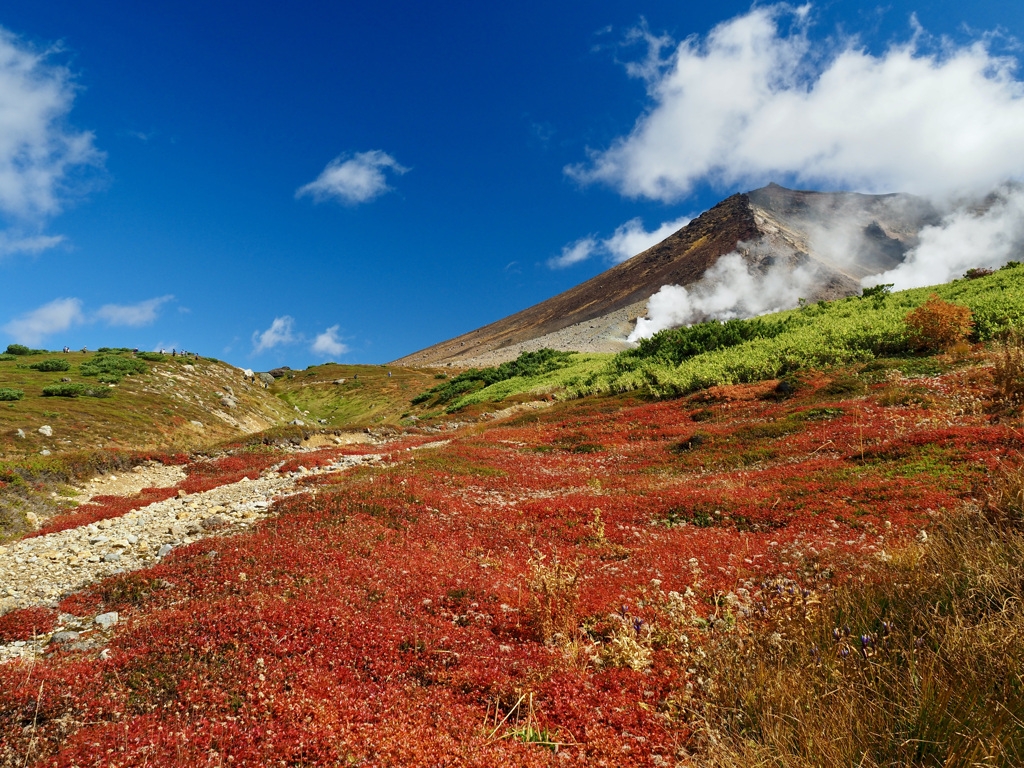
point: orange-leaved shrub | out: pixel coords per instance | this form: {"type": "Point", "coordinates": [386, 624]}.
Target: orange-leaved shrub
{"type": "Point", "coordinates": [938, 324]}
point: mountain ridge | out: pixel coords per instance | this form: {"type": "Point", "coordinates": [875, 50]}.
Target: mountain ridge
{"type": "Point", "coordinates": [765, 226]}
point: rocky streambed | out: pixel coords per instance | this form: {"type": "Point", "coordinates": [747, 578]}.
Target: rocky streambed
{"type": "Point", "coordinates": [40, 571]}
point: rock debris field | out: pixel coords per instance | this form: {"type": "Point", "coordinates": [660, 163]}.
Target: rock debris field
{"type": "Point", "coordinates": [40, 571]}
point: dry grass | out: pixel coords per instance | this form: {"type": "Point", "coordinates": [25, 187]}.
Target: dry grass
{"type": "Point", "coordinates": [553, 595]}
{"type": "Point", "coordinates": [922, 667]}
{"type": "Point", "coordinates": [1008, 372]}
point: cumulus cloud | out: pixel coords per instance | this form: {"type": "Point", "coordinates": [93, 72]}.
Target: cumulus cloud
{"type": "Point", "coordinates": [132, 315]}
{"type": "Point", "coordinates": [39, 152]}
{"type": "Point", "coordinates": [632, 238]}
{"type": "Point", "coordinates": [280, 332]}
{"type": "Point", "coordinates": [757, 99]}
{"type": "Point", "coordinates": [353, 179]}
{"type": "Point", "coordinates": [574, 253]}
{"type": "Point", "coordinates": [32, 327]}
{"type": "Point", "coordinates": [327, 344]}
{"type": "Point", "coordinates": [626, 241]}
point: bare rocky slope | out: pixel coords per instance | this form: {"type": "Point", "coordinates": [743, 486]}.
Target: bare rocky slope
{"type": "Point", "coordinates": [842, 236]}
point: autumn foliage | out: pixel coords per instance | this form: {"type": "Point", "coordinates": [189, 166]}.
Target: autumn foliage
{"type": "Point", "coordinates": [937, 325]}
{"type": "Point", "coordinates": [537, 592]}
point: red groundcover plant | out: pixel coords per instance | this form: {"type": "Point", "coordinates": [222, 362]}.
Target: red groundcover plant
{"type": "Point", "coordinates": [530, 594]}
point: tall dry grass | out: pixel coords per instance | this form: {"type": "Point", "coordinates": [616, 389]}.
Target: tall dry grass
{"type": "Point", "coordinates": [924, 666]}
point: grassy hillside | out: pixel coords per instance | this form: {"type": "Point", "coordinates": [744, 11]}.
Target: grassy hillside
{"type": "Point", "coordinates": [819, 335]}
{"type": "Point", "coordinates": [164, 402]}
{"type": "Point", "coordinates": [353, 396]}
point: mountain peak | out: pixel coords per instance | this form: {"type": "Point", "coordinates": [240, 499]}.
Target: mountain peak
{"type": "Point", "coordinates": [840, 236]}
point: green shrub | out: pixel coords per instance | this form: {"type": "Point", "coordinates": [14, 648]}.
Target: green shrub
{"type": "Point", "coordinates": [527, 364]}
{"type": "Point", "coordinates": [18, 349]}
{"type": "Point", "coordinates": [66, 389]}
{"type": "Point", "coordinates": [877, 291]}
{"type": "Point", "coordinates": [676, 345]}
{"type": "Point", "coordinates": [5, 356]}
{"type": "Point", "coordinates": [51, 365]}
{"type": "Point", "coordinates": [153, 357]}
{"type": "Point", "coordinates": [112, 368]}
{"type": "Point", "coordinates": [11, 394]}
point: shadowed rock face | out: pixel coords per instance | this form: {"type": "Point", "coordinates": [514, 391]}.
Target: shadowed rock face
{"type": "Point", "coordinates": [842, 236]}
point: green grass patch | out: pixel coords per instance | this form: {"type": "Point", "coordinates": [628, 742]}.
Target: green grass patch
{"type": "Point", "coordinates": [111, 369]}
{"type": "Point", "coordinates": [449, 464]}
{"type": "Point", "coordinates": [527, 365]}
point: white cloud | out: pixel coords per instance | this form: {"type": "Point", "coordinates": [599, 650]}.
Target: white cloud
{"type": "Point", "coordinates": [574, 253]}
{"type": "Point", "coordinates": [353, 180]}
{"type": "Point", "coordinates": [11, 243]}
{"type": "Point", "coordinates": [133, 315]}
{"type": "Point", "coordinates": [625, 242]}
{"type": "Point", "coordinates": [38, 151]}
{"type": "Point", "coordinates": [758, 99]}
{"type": "Point", "coordinates": [32, 327]}
{"type": "Point", "coordinates": [632, 238]}
{"type": "Point", "coordinates": [328, 344]}
{"type": "Point", "coordinates": [279, 332]}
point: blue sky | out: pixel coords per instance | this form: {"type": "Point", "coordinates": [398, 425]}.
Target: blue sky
{"type": "Point", "coordinates": [295, 183]}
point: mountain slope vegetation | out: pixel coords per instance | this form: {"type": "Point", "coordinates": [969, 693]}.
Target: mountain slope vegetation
{"type": "Point", "coordinates": [693, 556]}
{"type": "Point", "coordinates": [850, 330]}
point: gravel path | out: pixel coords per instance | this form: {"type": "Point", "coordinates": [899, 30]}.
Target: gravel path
{"type": "Point", "coordinates": [40, 571]}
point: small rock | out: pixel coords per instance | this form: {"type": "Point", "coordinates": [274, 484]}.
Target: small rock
{"type": "Point", "coordinates": [182, 494]}
{"type": "Point", "coordinates": [44, 452]}
{"type": "Point", "coordinates": [67, 636]}
{"type": "Point", "coordinates": [922, 537]}
{"type": "Point", "coordinates": [164, 550]}
{"type": "Point", "coordinates": [297, 422]}
{"type": "Point", "coordinates": [111, 557]}
{"type": "Point", "coordinates": [107, 620]}
{"type": "Point", "coordinates": [21, 433]}
{"type": "Point", "coordinates": [214, 521]}
{"type": "Point", "coordinates": [46, 430]}
{"type": "Point", "coordinates": [195, 423]}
